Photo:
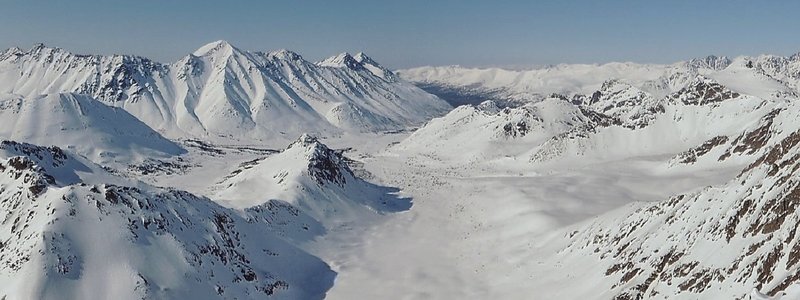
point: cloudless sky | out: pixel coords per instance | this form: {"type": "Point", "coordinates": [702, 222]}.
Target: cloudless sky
{"type": "Point", "coordinates": [406, 33]}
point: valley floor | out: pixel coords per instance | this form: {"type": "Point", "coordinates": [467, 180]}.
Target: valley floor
{"type": "Point", "coordinates": [477, 230]}
{"type": "Point", "coordinates": [488, 229]}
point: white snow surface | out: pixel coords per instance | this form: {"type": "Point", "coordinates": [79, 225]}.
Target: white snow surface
{"type": "Point", "coordinates": [81, 123]}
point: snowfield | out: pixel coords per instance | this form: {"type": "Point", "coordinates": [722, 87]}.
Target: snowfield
{"type": "Point", "coordinates": [239, 174]}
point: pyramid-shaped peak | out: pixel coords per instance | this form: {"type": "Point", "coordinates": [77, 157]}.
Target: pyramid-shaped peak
{"type": "Point", "coordinates": [214, 47]}
{"type": "Point", "coordinates": [341, 60]}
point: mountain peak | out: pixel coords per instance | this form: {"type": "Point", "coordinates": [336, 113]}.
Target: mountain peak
{"type": "Point", "coordinates": [11, 51]}
{"type": "Point", "coordinates": [364, 59]}
{"type": "Point", "coordinates": [305, 140]}
{"type": "Point", "coordinates": [214, 47]}
{"type": "Point", "coordinates": [38, 46]}
{"type": "Point", "coordinates": [374, 67]}
{"type": "Point", "coordinates": [342, 60]}
{"type": "Point", "coordinates": [285, 54]}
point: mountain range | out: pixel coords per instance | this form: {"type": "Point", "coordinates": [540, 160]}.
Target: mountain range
{"type": "Point", "coordinates": [238, 174]}
{"type": "Point", "coordinates": [222, 93]}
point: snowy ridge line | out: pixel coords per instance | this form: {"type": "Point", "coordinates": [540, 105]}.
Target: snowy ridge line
{"type": "Point", "coordinates": [225, 94]}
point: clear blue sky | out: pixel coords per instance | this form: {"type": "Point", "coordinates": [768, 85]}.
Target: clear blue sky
{"type": "Point", "coordinates": [410, 32]}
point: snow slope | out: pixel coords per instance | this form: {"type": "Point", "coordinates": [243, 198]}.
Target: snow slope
{"type": "Point", "coordinates": [485, 130]}
{"type": "Point", "coordinates": [616, 121]}
{"type": "Point", "coordinates": [81, 123]}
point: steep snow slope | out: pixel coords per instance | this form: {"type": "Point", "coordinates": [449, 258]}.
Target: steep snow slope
{"type": "Point", "coordinates": [223, 93]}
{"type": "Point", "coordinates": [719, 242]}
{"type": "Point", "coordinates": [79, 122]}
{"type": "Point", "coordinates": [68, 235]}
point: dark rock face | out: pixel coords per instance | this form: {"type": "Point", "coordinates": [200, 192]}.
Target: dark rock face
{"type": "Point", "coordinates": [752, 141]}
{"type": "Point", "coordinates": [516, 129]}
{"type": "Point", "coordinates": [704, 92]}
{"type": "Point", "coordinates": [600, 119]}
{"type": "Point", "coordinates": [53, 153]}
{"type": "Point", "coordinates": [324, 164]}
{"type": "Point", "coordinates": [690, 156]}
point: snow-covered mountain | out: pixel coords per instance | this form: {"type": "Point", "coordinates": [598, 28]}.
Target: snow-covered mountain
{"type": "Point", "coordinates": [71, 231]}
{"type": "Point", "coordinates": [470, 132]}
{"type": "Point", "coordinates": [223, 93]}
{"type": "Point", "coordinates": [637, 109]}
{"type": "Point", "coordinates": [312, 178]}
{"type": "Point", "coordinates": [718, 242]}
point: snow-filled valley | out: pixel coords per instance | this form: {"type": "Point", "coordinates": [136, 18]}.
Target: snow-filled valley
{"type": "Point", "coordinates": [240, 174]}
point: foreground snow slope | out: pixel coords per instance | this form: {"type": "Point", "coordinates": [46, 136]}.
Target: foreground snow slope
{"type": "Point", "coordinates": [220, 92]}
{"type": "Point", "coordinates": [69, 234]}
{"type": "Point", "coordinates": [718, 242]}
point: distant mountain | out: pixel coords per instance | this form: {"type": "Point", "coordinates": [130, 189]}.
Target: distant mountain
{"type": "Point", "coordinates": [782, 74]}
{"type": "Point", "coordinates": [487, 131]}
{"type": "Point", "coordinates": [660, 108]}
{"type": "Point", "coordinates": [220, 92]}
